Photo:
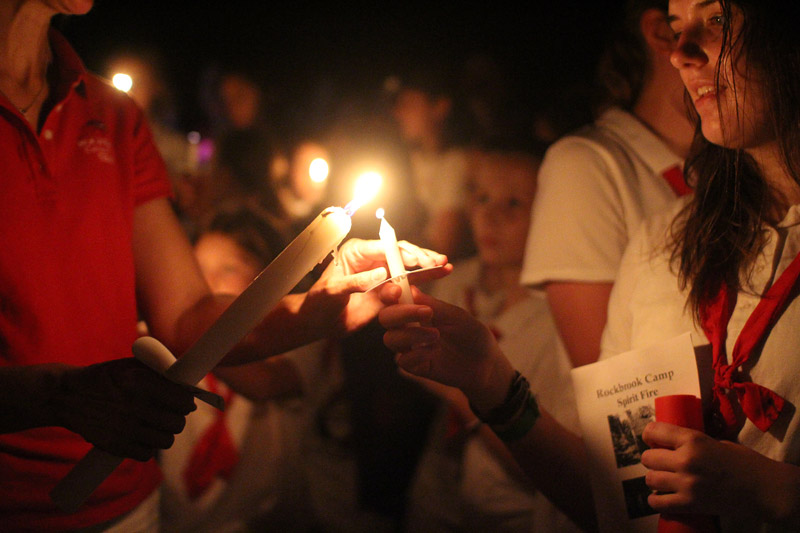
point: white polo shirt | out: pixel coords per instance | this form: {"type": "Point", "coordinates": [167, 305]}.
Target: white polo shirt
{"type": "Point", "coordinates": [595, 188]}
{"type": "Point", "coordinates": [647, 306]}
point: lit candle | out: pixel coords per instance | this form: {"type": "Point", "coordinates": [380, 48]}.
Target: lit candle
{"type": "Point", "coordinates": [397, 269]}
{"type": "Point", "coordinates": [308, 249]}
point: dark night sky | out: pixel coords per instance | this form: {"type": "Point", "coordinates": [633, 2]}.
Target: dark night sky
{"type": "Point", "coordinates": [350, 49]}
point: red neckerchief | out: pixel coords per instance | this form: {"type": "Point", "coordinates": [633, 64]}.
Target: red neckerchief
{"type": "Point", "coordinates": [674, 177]}
{"type": "Point", "coordinates": [215, 454]}
{"type": "Point", "coordinates": [761, 405]}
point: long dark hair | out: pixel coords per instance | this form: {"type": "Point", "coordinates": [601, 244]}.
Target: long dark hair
{"type": "Point", "coordinates": [721, 231]}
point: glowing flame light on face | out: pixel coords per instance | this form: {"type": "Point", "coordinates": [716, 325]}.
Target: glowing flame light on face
{"type": "Point", "coordinates": [122, 81]}
{"type": "Point", "coordinates": [367, 187]}
{"type": "Point", "coordinates": [318, 170]}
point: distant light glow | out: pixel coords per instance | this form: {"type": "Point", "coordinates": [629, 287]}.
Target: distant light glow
{"type": "Point", "coordinates": [193, 137]}
{"type": "Point", "coordinates": [318, 170]}
{"type": "Point", "coordinates": [367, 187]}
{"type": "Point", "coordinates": [379, 212]}
{"type": "Point", "coordinates": [122, 81]}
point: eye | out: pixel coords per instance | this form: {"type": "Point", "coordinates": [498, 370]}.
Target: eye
{"type": "Point", "coordinates": [480, 198]}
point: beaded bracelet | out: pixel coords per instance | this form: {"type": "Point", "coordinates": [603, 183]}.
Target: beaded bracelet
{"type": "Point", "coordinates": [518, 413]}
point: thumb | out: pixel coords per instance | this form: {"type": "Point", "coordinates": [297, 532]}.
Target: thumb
{"type": "Point", "coordinates": [360, 281]}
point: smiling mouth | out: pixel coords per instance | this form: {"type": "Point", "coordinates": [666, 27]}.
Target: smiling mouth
{"type": "Point", "coordinates": [705, 90]}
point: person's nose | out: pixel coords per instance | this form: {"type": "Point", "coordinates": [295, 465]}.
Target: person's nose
{"type": "Point", "coordinates": [491, 213]}
{"type": "Point", "coordinates": [689, 50]}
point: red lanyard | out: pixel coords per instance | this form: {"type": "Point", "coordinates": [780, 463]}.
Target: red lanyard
{"type": "Point", "coordinates": [761, 405]}
{"type": "Point", "coordinates": [674, 177]}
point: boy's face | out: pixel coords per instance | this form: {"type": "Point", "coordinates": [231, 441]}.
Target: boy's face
{"type": "Point", "coordinates": [227, 267]}
{"type": "Point", "coordinates": [503, 191]}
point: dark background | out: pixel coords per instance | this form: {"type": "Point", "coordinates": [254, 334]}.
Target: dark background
{"type": "Point", "coordinates": [306, 53]}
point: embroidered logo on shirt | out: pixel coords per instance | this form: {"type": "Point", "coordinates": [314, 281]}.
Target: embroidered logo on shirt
{"type": "Point", "coordinates": [99, 146]}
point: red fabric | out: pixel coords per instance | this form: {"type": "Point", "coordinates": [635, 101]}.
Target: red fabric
{"type": "Point", "coordinates": [67, 276]}
{"type": "Point", "coordinates": [215, 454]}
{"type": "Point", "coordinates": [761, 405]}
{"type": "Point", "coordinates": [674, 177]}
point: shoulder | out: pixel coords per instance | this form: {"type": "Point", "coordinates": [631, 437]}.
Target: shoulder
{"type": "Point", "coordinates": [106, 98]}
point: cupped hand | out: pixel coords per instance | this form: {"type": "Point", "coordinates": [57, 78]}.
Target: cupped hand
{"type": "Point", "coordinates": [338, 297]}
{"type": "Point", "coordinates": [442, 342]}
{"type": "Point", "coordinates": [122, 407]}
{"type": "Point", "coordinates": [691, 472]}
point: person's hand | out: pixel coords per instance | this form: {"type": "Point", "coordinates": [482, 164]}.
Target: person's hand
{"type": "Point", "coordinates": [691, 472]}
{"type": "Point", "coordinates": [442, 342]}
{"type": "Point", "coordinates": [122, 407]}
{"type": "Point", "coordinates": [338, 296]}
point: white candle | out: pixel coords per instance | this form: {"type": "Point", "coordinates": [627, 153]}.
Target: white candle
{"type": "Point", "coordinates": [397, 268]}
{"type": "Point", "coordinates": [308, 249]}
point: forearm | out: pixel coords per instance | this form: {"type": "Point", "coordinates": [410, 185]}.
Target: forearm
{"type": "Point", "coordinates": [26, 396]}
{"type": "Point", "coordinates": [555, 461]}
{"type": "Point", "coordinates": [552, 457]}
{"type": "Point", "coordinates": [778, 501]}
{"type": "Point", "coordinates": [283, 329]}
{"type": "Point", "coordinates": [271, 379]}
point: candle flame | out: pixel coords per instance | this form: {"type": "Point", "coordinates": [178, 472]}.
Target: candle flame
{"type": "Point", "coordinates": [122, 81]}
{"type": "Point", "coordinates": [367, 187]}
{"type": "Point", "coordinates": [379, 212]}
{"type": "Point", "coordinates": [318, 170]}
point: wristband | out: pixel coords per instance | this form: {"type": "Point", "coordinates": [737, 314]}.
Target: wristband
{"type": "Point", "coordinates": [518, 413]}
{"type": "Point", "coordinates": [521, 424]}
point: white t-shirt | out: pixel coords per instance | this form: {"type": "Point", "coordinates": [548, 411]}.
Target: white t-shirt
{"type": "Point", "coordinates": [647, 306]}
{"type": "Point", "coordinates": [595, 188]}
{"type": "Point", "coordinates": [528, 337]}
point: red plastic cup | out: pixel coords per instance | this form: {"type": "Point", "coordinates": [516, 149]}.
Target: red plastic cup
{"type": "Point", "coordinates": [686, 411]}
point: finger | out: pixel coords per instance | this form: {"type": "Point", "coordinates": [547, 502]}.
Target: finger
{"type": "Point", "coordinates": [405, 339]}
{"type": "Point", "coordinates": [670, 502]}
{"type": "Point", "coordinates": [424, 276]}
{"type": "Point", "coordinates": [400, 315]}
{"type": "Point", "coordinates": [389, 293]}
{"type": "Point", "coordinates": [360, 253]}
{"type": "Point", "coordinates": [662, 482]}
{"type": "Point", "coordinates": [414, 256]}
{"type": "Point", "coordinates": [358, 282]}
{"type": "Point", "coordinates": [161, 394]}
{"type": "Point", "coordinates": [417, 362]}
{"type": "Point", "coordinates": [663, 435]}
{"type": "Point", "coordinates": [158, 419]}
{"type": "Point", "coordinates": [660, 459]}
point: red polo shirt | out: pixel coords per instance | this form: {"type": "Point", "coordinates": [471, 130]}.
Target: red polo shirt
{"type": "Point", "coordinates": [67, 289]}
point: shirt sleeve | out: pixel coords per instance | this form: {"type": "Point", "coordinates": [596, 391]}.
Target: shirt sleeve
{"type": "Point", "coordinates": [578, 230]}
{"type": "Point", "coordinates": [151, 179]}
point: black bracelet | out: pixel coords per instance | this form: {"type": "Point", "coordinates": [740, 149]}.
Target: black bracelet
{"type": "Point", "coordinates": [514, 401]}
{"type": "Point", "coordinates": [514, 418]}
{"type": "Point", "coordinates": [522, 423]}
